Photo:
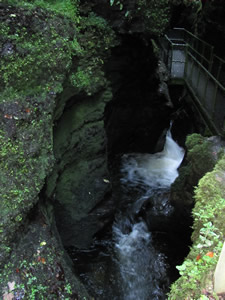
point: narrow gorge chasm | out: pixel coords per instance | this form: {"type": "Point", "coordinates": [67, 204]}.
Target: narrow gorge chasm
{"type": "Point", "coordinates": [111, 177]}
{"type": "Point", "coordinates": [98, 141]}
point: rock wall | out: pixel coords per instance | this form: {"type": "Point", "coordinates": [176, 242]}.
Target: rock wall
{"type": "Point", "coordinates": [202, 155]}
{"type": "Point", "coordinates": [139, 112]}
{"type": "Point", "coordinates": [54, 89]}
{"type": "Point", "coordinates": [211, 25]}
{"type": "Point", "coordinates": [42, 66]}
{"type": "Point", "coordinates": [79, 181]}
{"type": "Point", "coordinates": [198, 268]}
{"type": "Point", "coordinates": [26, 109]}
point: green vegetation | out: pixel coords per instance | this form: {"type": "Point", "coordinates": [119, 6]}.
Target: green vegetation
{"type": "Point", "coordinates": [200, 154]}
{"type": "Point", "coordinates": [37, 56]}
{"type": "Point", "coordinates": [67, 8]}
{"type": "Point", "coordinates": [197, 270]}
{"type": "Point", "coordinates": [45, 46]}
{"type": "Point", "coordinates": [38, 272]}
{"type": "Point", "coordinates": [25, 158]}
{"type": "Point", "coordinates": [94, 43]}
{"type": "Point", "coordinates": [34, 59]}
{"type": "Point", "coordinates": [201, 158]}
{"type": "Point", "coordinates": [154, 14]}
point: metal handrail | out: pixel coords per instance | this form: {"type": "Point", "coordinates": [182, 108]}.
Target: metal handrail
{"type": "Point", "coordinates": [212, 77]}
{"type": "Point", "coordinates": [194, 36]}
{"type": "Point", "coordinates": [210, 61]}
{"type": "Point", "coordinates": [200, 55]}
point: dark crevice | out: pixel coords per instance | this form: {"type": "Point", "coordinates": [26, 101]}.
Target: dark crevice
{"type": "Point", "coordinates": [136, 120]}
{"type": "Point", "coordinates": [137, 115]}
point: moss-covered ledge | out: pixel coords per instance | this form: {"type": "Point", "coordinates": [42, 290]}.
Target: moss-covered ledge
{"type": "Point", "coordinates": [44, 46]}
{"type": "Point", "coordinates": [196, 281]}
{"type": "Point", "coordinates": [35, 58]}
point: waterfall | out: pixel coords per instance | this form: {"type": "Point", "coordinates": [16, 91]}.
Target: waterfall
{"type": "Point", "coordinates": [142, 269]}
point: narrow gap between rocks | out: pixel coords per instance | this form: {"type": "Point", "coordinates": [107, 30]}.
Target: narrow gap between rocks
{"type": "Point", "coordinates": [136, 120]}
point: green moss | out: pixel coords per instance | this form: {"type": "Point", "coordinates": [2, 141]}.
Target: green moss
{"type": "Point", "coordinates": [34, 60]}
{"type": "Point", "coordinates": [208, 236]}
{"type": "Point", "coordinates": [25, 159]}
{"type": "Point", "coordinates": [201, 158]}
{"type": "Point", "coordinates": [200, 154]}
{"type": "Point", "coordinates": [37, 268]}
{"type": "Point", "coordinates": [193, 140]}
{"type": "Point", "coordinates": [95, 40]}
{"type": "Point", "coordinates": [67, 8]}
{"type": "Point", "coordinates": [156, 15]}
{"type": "Point", "coordinates": [37, 55]}
{"type": "Point", "coordinates": [45, 44]}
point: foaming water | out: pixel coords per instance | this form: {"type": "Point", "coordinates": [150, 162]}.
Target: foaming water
{"type": "Point", "coordinates": [142, 269]}
{"type": "Point", "coordinates": [157, 170]}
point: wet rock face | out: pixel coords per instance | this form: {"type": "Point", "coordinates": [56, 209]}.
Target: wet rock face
{"type": "Point", "coordinates": [139, 112]}
{"type": "Point", "coordinates": [134, 120]}
{"type": "Point", "coordinates": [79, 182]}
{"type": "Point", "coordinates": [27, 100]}
{"type": "Point", "coordinates": [40, 256]}
{"type": "Point", "coordinates": [35, 59]}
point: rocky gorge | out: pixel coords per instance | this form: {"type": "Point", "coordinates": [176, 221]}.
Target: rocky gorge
{"type": "Point", "coordinates": [81, 84]}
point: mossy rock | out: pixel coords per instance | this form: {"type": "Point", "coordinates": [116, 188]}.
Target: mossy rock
{"type": "Point", "coordinates": [38, 43]}
{"type": "Point", "coordinates": [38, 267]}
{"type": "Point", "coordinates": [196, 281]}
{"type": "Point", "coordinates": [202, 155]}
{"type": "Point", "coordinates": [76, 185]}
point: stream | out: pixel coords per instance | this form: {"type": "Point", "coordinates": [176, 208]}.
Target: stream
{"type": "Point", "coordinates": [142, 268]}
{"type": "Point", "coordinates": [125, 264]}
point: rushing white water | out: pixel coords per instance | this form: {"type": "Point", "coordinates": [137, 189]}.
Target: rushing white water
{"type": "Point", "coordinates": [142, 269]}
{"type": "Point", "coordinates": [157, 170]}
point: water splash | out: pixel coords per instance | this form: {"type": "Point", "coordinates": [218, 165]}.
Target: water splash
{"type": "Point", "coordinates": [140, 266]}
{"type": "Point", "coordinates": [142, 269]}
{"type": "Point", "coordinates": [157, 170]}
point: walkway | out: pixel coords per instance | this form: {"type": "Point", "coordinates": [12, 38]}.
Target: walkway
{"type": "Point", "coordinates": [192, 62]}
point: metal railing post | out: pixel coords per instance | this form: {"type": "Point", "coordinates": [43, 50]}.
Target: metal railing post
{"type": "Point", "coordinates": [209, 69]}
{"type": "Point", "coordinates": [186, 61]}
{"type": "Point", "coordinates": [211, 59]}
{"type": "Point", "coordinates": [216, 89]}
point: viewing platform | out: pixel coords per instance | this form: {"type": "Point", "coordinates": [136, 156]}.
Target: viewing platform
{"type": "Point", "coordinates": [192, 62]}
